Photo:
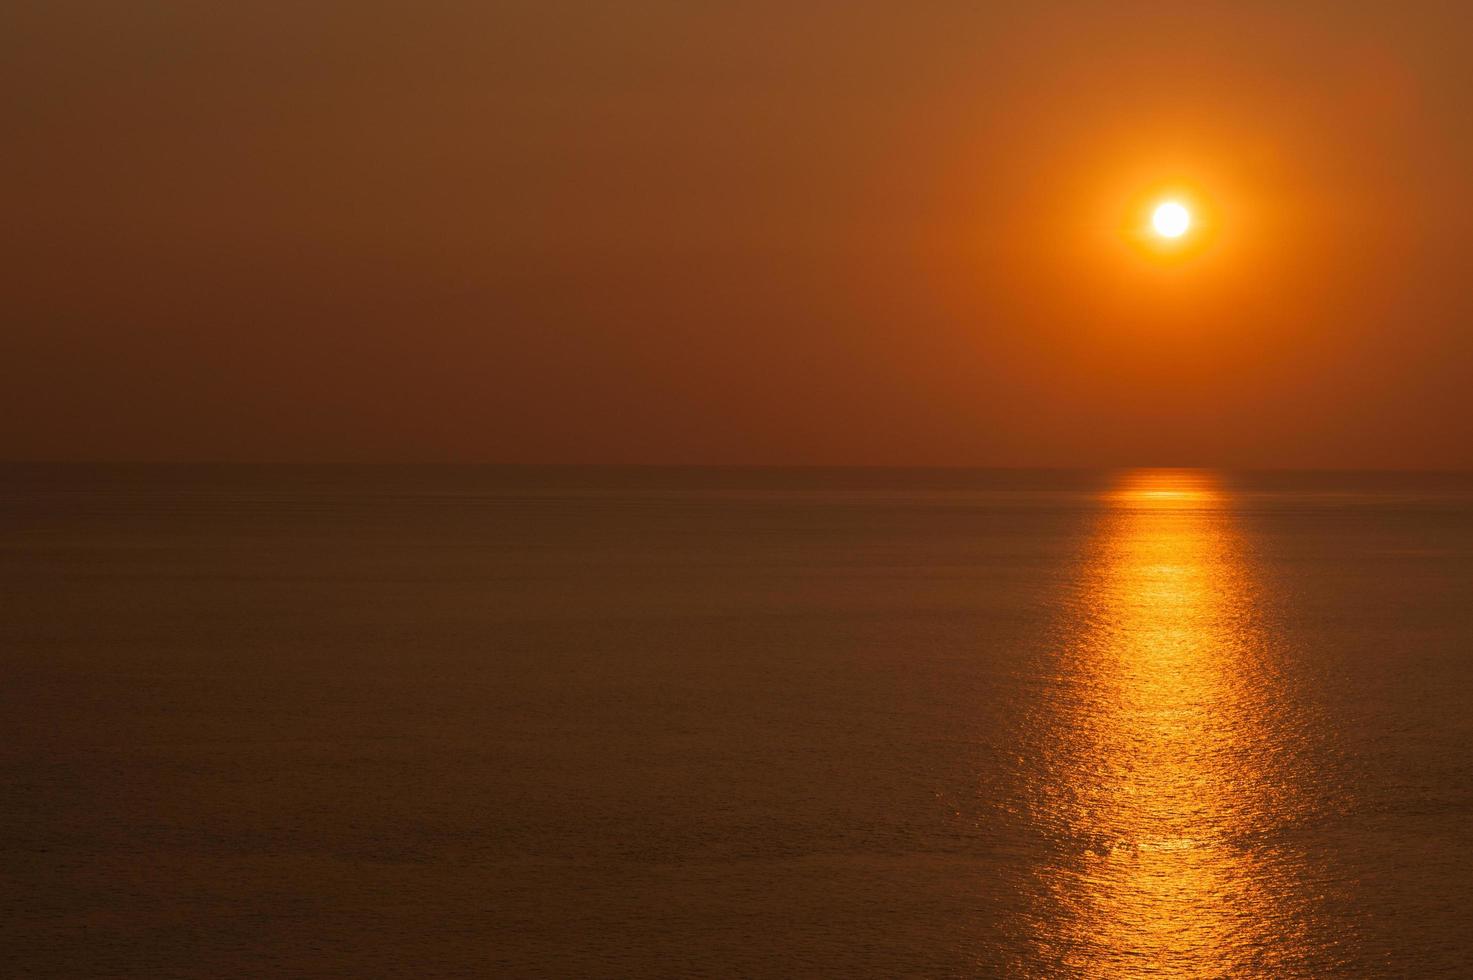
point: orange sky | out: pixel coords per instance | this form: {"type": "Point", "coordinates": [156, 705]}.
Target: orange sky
{"type": "Point", "coordinates": [751, 232]}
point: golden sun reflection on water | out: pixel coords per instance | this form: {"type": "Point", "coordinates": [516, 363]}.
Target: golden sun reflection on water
{"type": "Point", "coordinates": [1168, 779]}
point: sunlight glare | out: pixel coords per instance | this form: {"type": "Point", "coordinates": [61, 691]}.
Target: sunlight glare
{"type": "Point", "coordinates": [1171, 219]}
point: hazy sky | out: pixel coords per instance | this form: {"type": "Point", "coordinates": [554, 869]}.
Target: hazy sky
{"type": "Point", "coordinates": [751, 232]}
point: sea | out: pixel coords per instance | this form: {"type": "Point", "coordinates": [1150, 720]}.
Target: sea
{"type": "Point", "coordinates": [426, 721]}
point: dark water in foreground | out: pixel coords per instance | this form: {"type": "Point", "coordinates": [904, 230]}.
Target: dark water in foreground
{"type": "Point", "coordinates": [426, 721]}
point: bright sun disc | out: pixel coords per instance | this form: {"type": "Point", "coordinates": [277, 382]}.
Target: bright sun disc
{"type": "Point", "coordinates": [1170, 220]}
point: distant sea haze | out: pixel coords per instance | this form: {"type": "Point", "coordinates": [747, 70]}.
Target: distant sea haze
{"type": "Point", "coordinates": [429, 721]}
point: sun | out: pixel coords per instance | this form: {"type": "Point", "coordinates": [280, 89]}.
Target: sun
{"type": "Point", "coordinates": [1171, 219]}
{"type": "Point", "coordinates": [1168, 222]}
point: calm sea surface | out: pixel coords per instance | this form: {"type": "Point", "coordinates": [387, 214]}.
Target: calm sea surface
{"type": "Point", "coordinates": [619, 722]}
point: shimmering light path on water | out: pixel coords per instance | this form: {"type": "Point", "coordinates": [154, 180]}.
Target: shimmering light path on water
{"type": "Point", "coordinates": [1173, 753]}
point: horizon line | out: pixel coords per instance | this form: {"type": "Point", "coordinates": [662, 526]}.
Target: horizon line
{"type": "Point", "coordinates": [574, 465]}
